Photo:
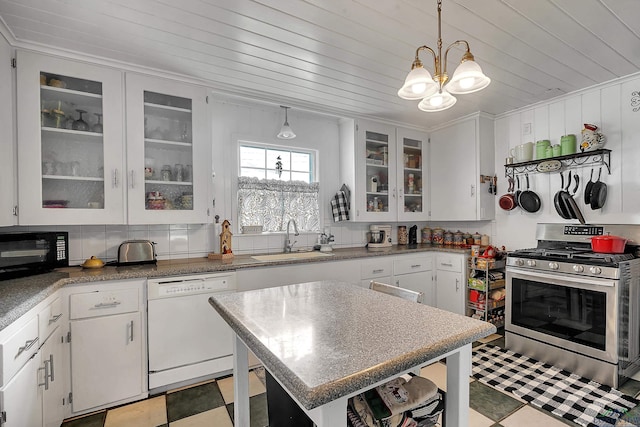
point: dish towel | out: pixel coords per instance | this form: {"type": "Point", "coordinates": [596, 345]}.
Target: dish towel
{"type": "Point", "coordinates": [340, 207]}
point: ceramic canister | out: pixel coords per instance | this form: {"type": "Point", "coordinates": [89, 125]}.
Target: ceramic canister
{"type": "Point", "coordinates": [426, 235]}
{"type": "Point", "coordinates": [458, 238]}
{"type": "Point", "coordinates": [438, 236]}
{"type": "Point", "coordinates": [477, 238]}
{"type": "Point", "coordinates": [448, 238]}
{"type": "Point", "coordinates": [541, 146]}
{"type": "Point", "coordinates": [568, 144]}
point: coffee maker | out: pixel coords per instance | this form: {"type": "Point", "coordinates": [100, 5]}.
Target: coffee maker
{"type": "Point", "coordinates": [379, 236]}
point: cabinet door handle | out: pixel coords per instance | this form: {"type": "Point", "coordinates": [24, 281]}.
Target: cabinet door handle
{"type": "Point", "coordinates": [46, 375]}
{"type": "Point", "coordinates": [27, 345]}
{"type": "Point", "coordinates": [394, 193]}
{"type": "Point", "coordinates": [378, 271]}
{"type": "Point", "coordinates": [457, 285]}
{"type": "Point", "coordinates": [114, 178]}
{"type": "Point", "coordinates": [55, 318]}
{"type": "Point", "coordinates": [133, 178]}
{"type": "Point", "coordinates": [416, 265]}
{"type": "Point", "coordinates": [51, 367]}
{"type": "Point", "coordinates": [473, 190]}
{"type": "Point", "coordinates": [107, 304]}
{"type": "Point", "coordinates": [131, 331]}
{"type": "Point", "coordinates": [447, 264]}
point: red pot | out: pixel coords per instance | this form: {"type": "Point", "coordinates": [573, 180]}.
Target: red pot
{"type": "Point", "coordinates": [608, 244]}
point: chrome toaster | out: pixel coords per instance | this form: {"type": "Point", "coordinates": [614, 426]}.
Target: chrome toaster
{"type": "Point", "coordinates": [136, 252]}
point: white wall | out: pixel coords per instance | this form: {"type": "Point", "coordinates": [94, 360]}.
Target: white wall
{"type": "Point", "coordinates": [608, 106]}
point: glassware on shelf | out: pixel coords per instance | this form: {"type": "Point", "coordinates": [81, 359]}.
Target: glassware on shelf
{"type": "Point", "coordinates": [165, 173]}
{"type": "Point", "coordinates": [178, 172]}
{"type": "Point", "coordinates": [80, 124]}
{"type": "Point", "coordinates": [97, 127]}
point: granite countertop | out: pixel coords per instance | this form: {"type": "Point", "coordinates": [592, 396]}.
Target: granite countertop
{"type": "Point", "coordinates": [17, 296]}
{"type": "Point", "coordinates": [324, 340]}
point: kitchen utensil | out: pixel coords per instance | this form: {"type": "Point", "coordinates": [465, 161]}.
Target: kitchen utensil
{"type": "Point", "coordinates": [549, 166]}
{"type": "Point", "coordinates": [507, 201]}
{"type": "Point", "coordinates": [588, 188]}
{"type": "Point", "coordinates": [93, 262]}
{"type": "Point", "coordinates": [529, 200]}
{"type": "Point", "coordinates": [572, 207]}
{"type": "Point", "coordinates": [558, 200]}
{"type": "Point", "coordinates": [516, 195]}
{"type": "Point", "coordinates": [608, 244]}
{"type": "Point", "coordinates": [598, 193]}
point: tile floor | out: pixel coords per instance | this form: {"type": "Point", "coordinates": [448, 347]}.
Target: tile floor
{"type": "Point", "coordinates": [211, 404]}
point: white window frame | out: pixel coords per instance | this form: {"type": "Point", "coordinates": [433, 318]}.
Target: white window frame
{"type": "Point", "coordinates": [267, 146]}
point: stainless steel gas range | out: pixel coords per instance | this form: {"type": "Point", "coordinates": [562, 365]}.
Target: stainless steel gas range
{"type": "Point", "coordinates": [573, 308]}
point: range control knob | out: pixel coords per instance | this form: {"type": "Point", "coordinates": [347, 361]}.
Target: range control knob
{"type": "Point", "coordinates": [595, 270]}
{"type": "Point", "coordinates": [578, 268]}
{"type": "Point", "coordinates": [531, 263]}
{"type": "Point", "coordinates": [519, 262]}
{"type": "Point", "coordinates": [553, 265]}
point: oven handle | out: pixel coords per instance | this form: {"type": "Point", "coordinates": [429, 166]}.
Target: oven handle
{"type": "Point", "coordinates": [565, 278]}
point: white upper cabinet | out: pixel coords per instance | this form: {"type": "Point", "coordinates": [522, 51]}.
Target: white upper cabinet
{"type": "Point", "coordinates": [383, 167]}
{"type": "Point", "coordinates": [168, 144]}
{"type": "Point", "coordinates": [459, 155]}
{"type": "Point", "coordinates": [7, 140]}
{"type": "Point", "coordinates": [70, 142]}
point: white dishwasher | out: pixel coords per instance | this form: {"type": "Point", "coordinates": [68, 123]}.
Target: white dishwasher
{"type": "Point", "coordinates": [187, 338]}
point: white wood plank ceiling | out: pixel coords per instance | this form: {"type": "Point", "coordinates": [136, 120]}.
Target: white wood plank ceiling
{"type": "Point", "coordinates": [347, 56]}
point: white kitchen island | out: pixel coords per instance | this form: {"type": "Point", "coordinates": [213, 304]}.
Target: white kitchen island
{"type": "Point", "coordinates": [325, 342]}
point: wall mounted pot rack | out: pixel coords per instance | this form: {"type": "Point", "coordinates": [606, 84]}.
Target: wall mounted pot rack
{"type": "Point", "coordinates": [600, 157]}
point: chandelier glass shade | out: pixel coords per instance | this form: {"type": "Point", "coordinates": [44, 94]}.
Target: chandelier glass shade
{"type": "Point", "coordinates": [436, 91]}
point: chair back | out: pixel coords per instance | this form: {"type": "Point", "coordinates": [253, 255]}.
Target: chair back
{"type": "Point", "coordinates": [407, 294]}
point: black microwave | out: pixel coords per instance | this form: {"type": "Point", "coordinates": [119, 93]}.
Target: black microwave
{"type": "Point", "coordinates": [24, 254]}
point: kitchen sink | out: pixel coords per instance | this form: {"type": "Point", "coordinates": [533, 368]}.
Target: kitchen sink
{"type": "Point", "coordinates": [290, 256]}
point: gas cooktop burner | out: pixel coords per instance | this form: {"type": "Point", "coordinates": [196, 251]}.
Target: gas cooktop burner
{"type": "Point", "coordinates": [580, 255]}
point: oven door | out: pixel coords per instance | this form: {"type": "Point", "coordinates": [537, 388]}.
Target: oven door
{"type": "Point", "coordinates": [571, 312]}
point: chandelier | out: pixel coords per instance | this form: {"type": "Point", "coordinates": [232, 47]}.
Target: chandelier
{"type": "Point", "coordinates": [436, 92]}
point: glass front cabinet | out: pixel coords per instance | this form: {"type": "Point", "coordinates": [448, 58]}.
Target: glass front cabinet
{"type": "Point", "coordinates": [78, 163]}
{"type": "Point", "coordinates": [389, 181]}
{"type": "Point", "coordinates": [168, 144]}
{"type": "Point", "coordinates": [70, 142]}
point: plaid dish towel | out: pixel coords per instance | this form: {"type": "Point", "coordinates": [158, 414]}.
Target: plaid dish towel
{"type": "Point", "coordinates": [340, 207]}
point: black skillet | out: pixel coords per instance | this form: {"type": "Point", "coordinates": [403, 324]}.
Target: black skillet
{"type": "Point", "coordinates": [558, 201]}
{"type": "Point", "coordinates": [598, 193]}
{"type": "Point", "coordinates": [572, 206]}
{"type": "Point", "coordinates": [516, 195]}
{"type": "Point", "coordinates": [588, 188]}
{"type": "Point", "coordinates": [529, 200]}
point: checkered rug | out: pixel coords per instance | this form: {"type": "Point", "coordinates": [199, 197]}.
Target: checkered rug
{"type": "Point", "coordinates": [562, 393]}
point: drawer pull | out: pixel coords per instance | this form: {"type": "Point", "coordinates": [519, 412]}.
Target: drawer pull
{"type": "Point", "coordinates": [447, 264]}
{"type": "Point", "coordinates": [416, 265]}
{"type": "Point", "coordinates": [51, 368]}
{"type": "Point", "coordinates": [55, 318]}
{"type": "Point", "coordinates": [107, 304]}
{"type": "Point", "coordinates": [131, 334]}
{"type": "Point", "coordinates": [378, 270]}
{"type": "Point", "coordinates": [46, 375]}
{"type": "Point", "coordinates": [27, 345]}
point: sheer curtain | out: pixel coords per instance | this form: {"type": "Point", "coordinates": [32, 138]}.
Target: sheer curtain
{"type": "Point", "coordinates": [272, 203]}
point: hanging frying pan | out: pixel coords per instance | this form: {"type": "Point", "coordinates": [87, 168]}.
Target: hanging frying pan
{"type": "Point", "coordinates": [518, 192]}
{"type": "Point", "coordinates": [507, 201]}
{"type": "Point", "coordinates": [572, 206]}
{"type": "Point", "coordinates": [529, 200]}
{"type": "Point", "coordinates": [588, 188]}
{"type": "Point", "coordinates": [558, 201]}
{"type": "Point", "coordinates": [598, 193]}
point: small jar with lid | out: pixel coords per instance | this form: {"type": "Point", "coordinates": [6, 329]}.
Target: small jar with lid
{"type": "Point", "coordinates": [438, 236]}
{"type": "Point", "coordinates": [485, 240]}
{"type": "Point", "coordinates": [477, 238]}
{"type": "Point", "coordinates": [403, 236]}
{"type": "Point", "coordinates": [467, 239]}
{"type": "Point", "coordinates": [448, 238]}
{"type": "Point", "coordinates": [457, 238]}
{"type": "Point", "coordinates": [165, 173]}
{"type": "Point", "coordinates": [426, 236]}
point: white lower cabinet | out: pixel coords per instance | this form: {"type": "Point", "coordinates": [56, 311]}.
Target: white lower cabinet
{"type": "Point", "coordinates": [108, 345]}
{"type": "Point", "coordinates": [33, 382]}
{"type": "Point", "coordinates": [379, 269]}
{"type": "Point", "coordinates": [450, 282]}
{"type": "Point", "coordinates": [416, 273]}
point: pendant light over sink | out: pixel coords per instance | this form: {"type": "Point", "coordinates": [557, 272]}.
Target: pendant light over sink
{"type": "Point", "coordinates": [285, 131]}
{"type": "Point", "coordinates": [436, 92]}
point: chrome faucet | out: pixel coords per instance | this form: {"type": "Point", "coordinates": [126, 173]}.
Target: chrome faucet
{"type": "Point", "coordinates": [287, 241]}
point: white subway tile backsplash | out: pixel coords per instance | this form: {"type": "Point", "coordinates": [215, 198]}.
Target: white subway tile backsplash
{"type": "Point", "coordinates": [198, 238]}
{"type": "Point", "coordinates": [161, 237]}
{"type": "Point", "coordinates": [94, 241]}
{"type": "Point", "coordinates": [178, 241]}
